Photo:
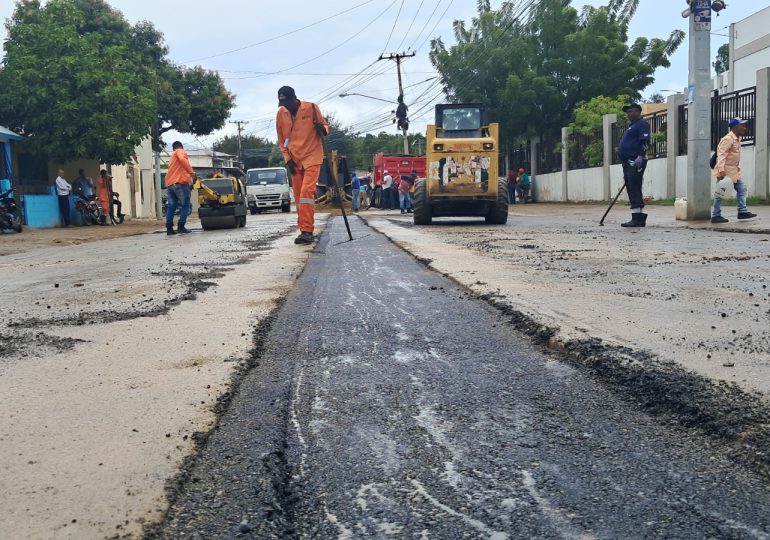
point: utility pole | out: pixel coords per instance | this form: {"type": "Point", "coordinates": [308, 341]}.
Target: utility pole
{"type": "Point", "coordinates": [240, 124]}
{"type": "Point", "coordinates": [699, 111]}
{"type": "Point", "coordinates": [398, 57]}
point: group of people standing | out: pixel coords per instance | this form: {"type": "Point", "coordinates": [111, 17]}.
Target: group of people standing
{"type": "Point", "coordinates": [519, 185]}
{"type": "Point", "coordinates": [392, 193]}
{"type": "Point", "coordinates": [86, 189]}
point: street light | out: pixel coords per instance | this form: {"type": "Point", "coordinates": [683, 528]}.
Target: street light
{"type": "Point", "coordinates": [363, 95]}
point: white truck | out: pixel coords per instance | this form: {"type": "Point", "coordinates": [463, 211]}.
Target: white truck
{"type": "Point", "coordinates": [268, 189]}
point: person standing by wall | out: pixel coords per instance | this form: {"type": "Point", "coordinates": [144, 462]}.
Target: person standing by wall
{"type": "Point", "coordinates": [178, 187]}
{"type": "Point", "coordinates": [511, 178]}
{"type": "Point", "coordinates": [63, 190]}
{"type": "Point", "coordinates": [301, 127]}
{"type": "Point", "coordinates": [523, 185]}
{"type": "Point", "coordinates": [83, 186]}
{"type": "Point", "coordinates": [633, 154]}
{"type": "Point", "coordinates": [729, 166]}
{"type": "Point", "coordinates": [104, 194]}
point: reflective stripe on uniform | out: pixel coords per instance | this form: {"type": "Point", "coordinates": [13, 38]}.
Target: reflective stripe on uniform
{"type": "Point", "coordinates": [307, 201]}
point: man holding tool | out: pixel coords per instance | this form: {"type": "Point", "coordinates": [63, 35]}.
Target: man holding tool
{"type": "Point", "coordinates": [633, 154]}
{"type": "Point", "coordinates": [301, 128]}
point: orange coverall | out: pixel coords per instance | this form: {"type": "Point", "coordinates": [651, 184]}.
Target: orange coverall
{"type": "Point", "coordinates": [301, 144]}
{"type": "Point", "coordinates": [104, 193]}
{"type": "Point", "coordinates": [179, 169]}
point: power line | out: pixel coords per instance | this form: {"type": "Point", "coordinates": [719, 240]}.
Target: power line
{"type": "Point", "coordinates": [281, 35]}
{"type": "Point", "coordinates": [394, 25]}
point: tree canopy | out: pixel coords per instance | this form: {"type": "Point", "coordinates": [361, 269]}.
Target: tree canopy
{"type": "Point", "coordinates": [532, 73]}
{"type": "Point", "coordinates": [722, 62]}
{"type": "Point", "coordinates": [256, 150]}
{"type": "Point", "coordinates": [79, 82]}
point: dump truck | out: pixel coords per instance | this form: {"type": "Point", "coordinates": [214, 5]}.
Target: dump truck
{"type": "Point", "coordinates": [396, 165]}
{"type": "Point", "coordinates": [462, 159]}
{"type": "Point", "coordinates": [222, 203]}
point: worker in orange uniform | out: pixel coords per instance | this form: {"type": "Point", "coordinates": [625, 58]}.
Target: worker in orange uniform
{"type": "Point", "coordinates": [301, 129]}
{"type": "Point", "coordinates": [178, 187]}
{"type": "Point", "coordinates": [104, 194]}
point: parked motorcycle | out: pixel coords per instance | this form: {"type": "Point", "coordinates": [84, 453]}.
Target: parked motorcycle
{"type": "Point", "coordinates": [10, 213]}
{"type": "Point", "coordinates": [90, 211]}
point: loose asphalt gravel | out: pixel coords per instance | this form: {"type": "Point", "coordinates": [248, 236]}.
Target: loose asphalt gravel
{"type": "Point", "coordinates": [384, 401]}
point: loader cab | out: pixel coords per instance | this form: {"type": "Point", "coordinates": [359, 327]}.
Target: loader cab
{"type": "Point", "coordinates": [461, 121]}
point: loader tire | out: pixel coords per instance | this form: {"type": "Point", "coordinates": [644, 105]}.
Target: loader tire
{"type": "Point", "coordinates": [422, 211]}
{"type": "Point", "coordinates": [498, 214]}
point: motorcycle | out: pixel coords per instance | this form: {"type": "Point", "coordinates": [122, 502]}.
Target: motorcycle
{"type": "Point", "coordinates": [90, 211]}
{"type": "Point", "coordinates": [10, 213]}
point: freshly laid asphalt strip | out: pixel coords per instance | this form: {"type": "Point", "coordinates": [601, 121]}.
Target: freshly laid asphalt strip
{"type": "Point", "coordinates": [387, 402]}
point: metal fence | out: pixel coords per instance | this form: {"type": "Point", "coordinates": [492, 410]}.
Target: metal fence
{"type": "Point", "coordinates": [618, 129]}
{"type": "Point", "coordinates": [742, 103]}
{"type": "Point", "coordinates": [548, 158]}
{"type": "Point", "coordinates": [520, 157]}
{"type": "Point", "coordinates": [585, 150]}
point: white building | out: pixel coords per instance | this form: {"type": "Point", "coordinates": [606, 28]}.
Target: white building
{"type": "Point", "coordinates": [749, 51]}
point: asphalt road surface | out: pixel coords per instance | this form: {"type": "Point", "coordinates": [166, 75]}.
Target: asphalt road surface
{"type": "Point", "coordinates": [388, 402]}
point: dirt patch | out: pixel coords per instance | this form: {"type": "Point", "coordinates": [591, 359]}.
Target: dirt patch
{"type": "Point", "coordinates": [24, 344]}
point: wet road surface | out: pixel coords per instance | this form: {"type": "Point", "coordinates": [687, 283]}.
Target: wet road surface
{"type": "Point", "coordinates": [387, 402]}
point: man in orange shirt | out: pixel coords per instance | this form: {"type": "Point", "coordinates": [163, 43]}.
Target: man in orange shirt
{"type": "Point", "coordinates": [178, 187]}
{"type": "Point", "coordinates": [301, 128]}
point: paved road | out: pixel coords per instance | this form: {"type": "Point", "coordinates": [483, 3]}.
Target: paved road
{"type": "Point", "coordinates": [389, 403]}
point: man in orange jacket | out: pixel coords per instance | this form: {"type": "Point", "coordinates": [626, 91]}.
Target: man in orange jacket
{"type": "Point", "coordinates": [301, 128]}
{"type": "Point", "coordinates": [178, 188]}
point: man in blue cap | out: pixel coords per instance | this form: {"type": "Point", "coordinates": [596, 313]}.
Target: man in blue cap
{"type": "Point", "coordinates": [729, 166]}
{"type": "Point", "coordinates": [633, 155]}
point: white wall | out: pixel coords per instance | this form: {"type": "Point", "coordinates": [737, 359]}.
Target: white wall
{"type": "Point", "coordinates": [586, 184]}
{"type": "Point", "coordinates": [547, 187]}
{"type": "Point", "coordinates": [750, 38]}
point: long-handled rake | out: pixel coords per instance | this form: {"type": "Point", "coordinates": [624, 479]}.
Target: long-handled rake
{"type": "Point", "coordinates": [613, 203]}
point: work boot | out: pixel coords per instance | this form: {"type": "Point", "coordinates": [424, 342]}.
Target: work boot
{"type": "Point", "coordinates": [403, 211]}
{"type": "Point", "coordinates": [746, 215]}
{"type": "Point", "coordinates": [182, 229]}
{"type": "Point", "coordinates": [637, 220]}
{"type": "Point", "coordinates": [170, 231]}
{"type": "Point", "coordinates": [409, 211]}
{"type": "Point", "coordinates": [719, 219]}
{"type": "Point", "coordinates": [121, 218]}
{"type": "Point", "coordinates": [304, 238]}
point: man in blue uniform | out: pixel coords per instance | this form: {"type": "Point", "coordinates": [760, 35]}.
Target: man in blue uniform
{"type": "Point", "coordinates": [633, 155]}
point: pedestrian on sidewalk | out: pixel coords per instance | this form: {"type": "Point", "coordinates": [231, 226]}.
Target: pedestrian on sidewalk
{"type": "Point", "coordinates": [404, 200]}
{"type": "Point", "coordinates": [511, 178]}
{"type": "Point", "coordinates": [63, 190]}
{"type": "Point", "coordinates": [523, 185]}
{"type": "Point", "coordinates": [301, 128]}
{"type": "Point", "coordinates": [386, 202]}
{"type": "Point", "coordinates": [179, 179]}
{"type": "Point", "coordinates": [633, 155]}
{"type": "Point", "coordinates": [355, 190]}
{"type": "Point", "coordinates": [363, 195]}
{"type": "Point", "coordinates": [729, 166]}
{"type": "Point", "coordinates": [104, 194]}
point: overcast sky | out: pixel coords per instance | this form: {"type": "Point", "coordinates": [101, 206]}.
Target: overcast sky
{"type": "Point", "coordinates": [322, 60]}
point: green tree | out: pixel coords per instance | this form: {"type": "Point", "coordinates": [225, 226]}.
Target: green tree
{"type": "Point", "coordinates": [722, 62]}
{"type": "Point", "coordinates": [256, 150]}
{"type": "Point", "coordinates": [588, 121]}
{"type": "Point", "coordinates": [532, 73]}
{"type": "Point", "coordinates": [80, 82]}
{"type": "Point", "coordinates": [70, 82]}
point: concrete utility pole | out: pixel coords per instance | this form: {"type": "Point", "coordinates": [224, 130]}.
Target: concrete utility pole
{"type": "Point", "coordinates": [398, 57]}
{"type": "Point", "coordinates": [240, 124]}
{"type": "Point", "coordinates": [699, 111]}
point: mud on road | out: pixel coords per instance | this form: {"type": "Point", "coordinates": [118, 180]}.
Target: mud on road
{"type": "Point", "coordinates": [117, 357]}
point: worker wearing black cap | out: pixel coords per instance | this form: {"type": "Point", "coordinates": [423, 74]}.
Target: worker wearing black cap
{"type": "Point", "coordinates": [301, 128]}
{"type": "Point", "coordinates": [633, 155]}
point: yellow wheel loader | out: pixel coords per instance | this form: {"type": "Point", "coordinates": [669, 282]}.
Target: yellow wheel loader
{"type": "Point", "coordinates": [222, 203]}
{"type": "Point", "coordinates": [462, 168]}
